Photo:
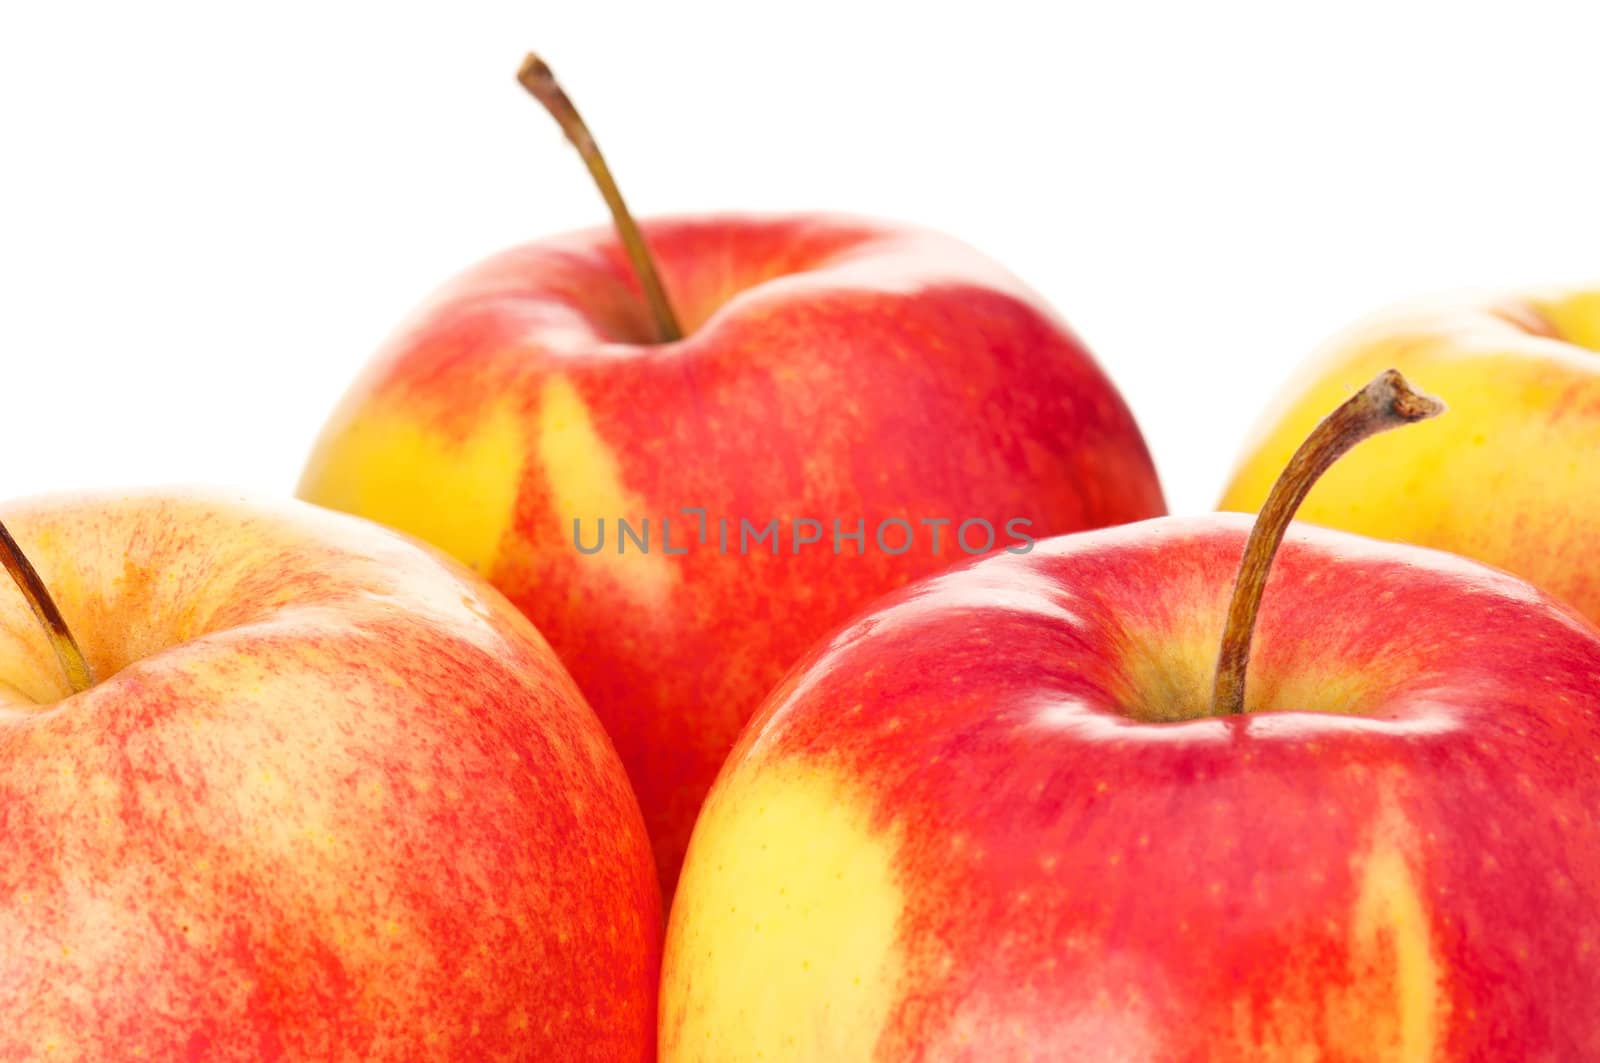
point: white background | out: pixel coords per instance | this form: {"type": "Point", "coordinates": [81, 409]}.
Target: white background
{"type": "Point", "coordinates": [210, 214]}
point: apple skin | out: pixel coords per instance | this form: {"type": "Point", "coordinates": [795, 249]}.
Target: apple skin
{"type": "Point", "coordinates": [962, 830]}
{"type": "Point", "coordinates": [333, 798]}
{"type": "Point", "coordinates": [1508, 478]}
{"type": "Point", "coordinates": [833, 368]}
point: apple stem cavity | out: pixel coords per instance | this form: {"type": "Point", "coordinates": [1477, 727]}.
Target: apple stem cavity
{"type": "Point", "coordinates": [1387, 402]}
{"type": "Point", "coordinates": [73, 662]}
{"type": "Point", "coordinates": [541, 83]}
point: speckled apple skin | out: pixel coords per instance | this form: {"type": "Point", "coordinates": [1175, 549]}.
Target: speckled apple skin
{"type": "Point", "coordinates": [332, 798]}
{"type": "Point", "coordinates": [833, 368]}
{"type": "Point", "coordinates": [1017, 847]}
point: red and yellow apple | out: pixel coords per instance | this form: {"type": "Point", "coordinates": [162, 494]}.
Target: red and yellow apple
{"type": "Point", "coordinates": [1511, 478]}
{"type": "Point", "coordinates": [805, 410]}
{"type": "Point", "coordinates": [996, 818]}
{"type": "Point", "coordinates": [332, 797]}
{"type": "Point", "coordinates": [834, 370]}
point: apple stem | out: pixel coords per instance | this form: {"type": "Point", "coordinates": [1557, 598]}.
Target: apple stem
{"type": "Point", "coordinates": [73, 662]}
{"type": "Point", "coordinates": [538, 79]}
{"type": "Point", "coordinates": [1387, 402]}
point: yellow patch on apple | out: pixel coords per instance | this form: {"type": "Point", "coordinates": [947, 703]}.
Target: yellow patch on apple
{"type": "Point", "coordinates": [586, 485]}
{"type": "Point", "coordinates": [1391, 931]}
{"type": "Point", "coordinates": [392, 467]}
{"type": "Point", "coordinates": [785, 874]}
{"type": "Point", "coordinates": [1392, 1008]}
{"type": "Point", "coordinates": [1575, 316]}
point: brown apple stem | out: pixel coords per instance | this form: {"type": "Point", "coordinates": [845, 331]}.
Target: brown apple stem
{"type": "Point", "coordinates": [538, 79]}
{"type": "Point", "coordinates": [1388, 402]}
{"type": "Point", "coordinates": [44, 608]}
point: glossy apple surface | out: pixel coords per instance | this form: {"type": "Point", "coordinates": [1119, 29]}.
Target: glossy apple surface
{"type": "Point", "coordinates": [832, 369]}
{"type": "Point", "coordinates": [989, 819]}
{"type": "Point", "coordinates": [1509, 478]}
{"type": "Point", "coordinates": [332, 798]}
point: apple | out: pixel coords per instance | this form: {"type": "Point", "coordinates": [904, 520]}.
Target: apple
{"type": "Point", "coordinates": [304, 790]}
{"type": "Point", "coordinates": [843, 405]}
{"type": "Point", "coordinates": [1512, 480]}
{"type": "Point", "coordinates": [1009, 814]}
